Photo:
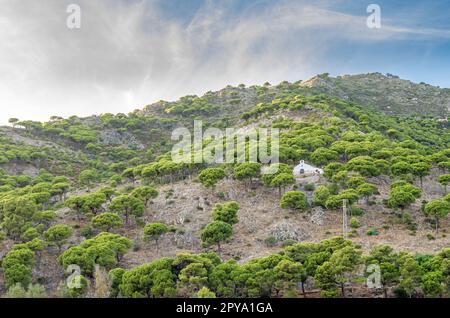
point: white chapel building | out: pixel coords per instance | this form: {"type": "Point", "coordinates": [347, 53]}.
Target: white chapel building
{"type": "Point", "coordinates": [304, 168]}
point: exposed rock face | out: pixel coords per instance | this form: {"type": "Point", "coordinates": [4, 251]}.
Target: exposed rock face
{"type": "Point", "coordinates": [388, 93]}
{"type": "Point", "coordinates": [112, 137]}
{"type": "Point", "coordinates": [185, 240]}
{"type": "Point", "coordinates": [20, 168]}
{"type": "Point", "coordinates": [286, 231]}
{"type": "Point", "coordinates": [318, 215]}
{"type": "Point", "coordinates": [184, 216]}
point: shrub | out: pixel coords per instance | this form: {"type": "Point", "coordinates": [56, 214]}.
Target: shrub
{"type": "Point", "coordinates": [372, 232]}
{"type": "Point", "coordinates": [154, 231]}
{"type": "Point", "coordinates": [137, 245]}
{"type": "Point", "coordinates": [287, 243]}
{"type": "Point", "coordinates": [354, 223]}
{"type": "Point", "coordinates": [205, 293]}
{"type": "Point", "coordinates": [107, 221]}
{"type": "Point", "coordinates": [271, 241]}
{"type": "Point", "coordinates": [105, 249]}
{"type": "Point", "coordinates": [320, 196]}
{"type": "Point", "coordinates": [87, 232]}
{"type": "Point", "coordinates": [406, 218]}
{"type": "Point", "coordinates": [294, 200]}
{"type": "Point", "coordinates": [33, 291]}
{"type": "Point", "coordinates": [357, 211]}
{"type": "Point", "coordinates": [226, 212]}
{"type": "Point", "coordinates": [58, 235]}
{"type": "Point", "coordinates": [77, 286]}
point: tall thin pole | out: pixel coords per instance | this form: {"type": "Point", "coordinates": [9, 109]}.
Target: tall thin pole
{"type": "Point", "coordinates": [344, 219]}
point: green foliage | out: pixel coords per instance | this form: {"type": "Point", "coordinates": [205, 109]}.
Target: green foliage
{"type": "Point", "coordinates": [93, 202]}
{"type": "Point", "coordinates": [354, 223]}
{"type": "Point", "coordinates": [322, 156]}
{"type": "Point", "coordinates": [354, 142]}
{"type": "Point", "coordinates": [444, 179]}
{"type": "Point", "coordinates": [108, 192]}
{"type": "Point", "coordinates": [388, 261]}
{"type": "Point", "coordinates": [87, 232]}
{"type": "Point", "coordinates": [191, 105]}
{"type": "Point", "coordinates": [282, 180]}
{"type": "Point", "coordinates": [154, 279]}
{"type": "Point", "coordinates": [401, 168]}
{"type": "Point", "coordinates": [211, 176]}
{"type": "Point", "coordinates": [246, 171]}
{"type": "Point", "coordinates": [402, 195]}
{"type": "Point", "coordinates": [76, 204]}
{"type": "Point", "coordinates": [78, 285]}
{"type": "Point", "coordinates": [32, 291]}
{"type": "Point", "coordinates": [333, 168]}
{"type": "Point", "coordinates": [366, 190]}
{"type": "Point", "coordinates": [45, 217]}
{"type": "Point", "coordinates": [335, 202]}
{"type": "Point", "coordinates": [58, 235]}
{"type": "Point", "coordinates": [154, 231]}
{"type": "Point", "coordinates": [146, 194]}
{"type": "Point", "coordinates": [17, 214]}
{"type": "Point", "coordinates": [421, 169]}
{"type": "Point", "coordinates": [271, 241]}
{"type": "Point", "coordinates": [193, 277]}
{"type": "Point", "coordinates": [333, 263]}
{"type": "Point", "coordinates": [216, 232]}
{"type": "Point", "coordinates": [87, 177]}
{"type": "Point", "coordinates": [13, 121]}
{"type": "Point", "coordinates": [294, 200]}
{"type": "Point", "coordinates": [105, 250]}
{"type": "Point", "coordinates": [410, 275]}
{"type": "Point", "coordinates": [287, 273]}
{"type": "Point", "coordinates": [17, 266]}
{"type": "Point", "coordinates": [372, 232]}
{"type": "Point", "coordinates": [226, 212]}
{"type": "Point", "coordinates": [320, 196]}
{"type": "Point", "coordinates": [115, 276]}
{"type": "Point", "coordinates": [127, 205]}
{"type": "Point", "coordinates": [204, 292]}
{"type": "Point", "coordinates": [273, 171]}
{"type": "Point", "coordinates": [438, 209]}
{"type": "Point", "coordinates": [365, 165]}
{"type": "Point", "coordinates": [433, 284]}
{"type": "Point", "coordinates": [338, 270]}
{"type": "Point", "coordinates": [107, 221]}
{"type": "Point", "coordinates": [30, 234]}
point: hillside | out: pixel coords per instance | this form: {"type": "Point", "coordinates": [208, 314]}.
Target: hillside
{"type": "Point", "coordinates": [387, 93]}
{"type": "Point", "coordinates": [104, 190]}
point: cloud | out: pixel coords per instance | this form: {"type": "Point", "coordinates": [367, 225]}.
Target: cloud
{"type": "Point", "coordinates": [129, 53]}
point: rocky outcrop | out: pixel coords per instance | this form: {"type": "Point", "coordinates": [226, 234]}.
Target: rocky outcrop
{"type": "Point", "coordinates": [287, 231]}
{"type": "Point", "coordinates": [110, 137]}
{"type": "Point", "coordinates": [387, 93]}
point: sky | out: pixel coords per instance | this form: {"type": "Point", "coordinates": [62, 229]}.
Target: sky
{"type": "Point", "coordinates": [130, 53]}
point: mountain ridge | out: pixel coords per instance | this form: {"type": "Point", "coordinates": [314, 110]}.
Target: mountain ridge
{"type": "Point", "coordinates": [388, 93]}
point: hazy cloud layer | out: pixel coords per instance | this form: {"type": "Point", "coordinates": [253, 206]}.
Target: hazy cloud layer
{"type": "Point", "coordinates": [129, 53]}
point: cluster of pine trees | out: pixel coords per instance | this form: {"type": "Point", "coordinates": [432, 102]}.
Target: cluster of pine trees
{"type": "Point", "coordinates": [108, 188]}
